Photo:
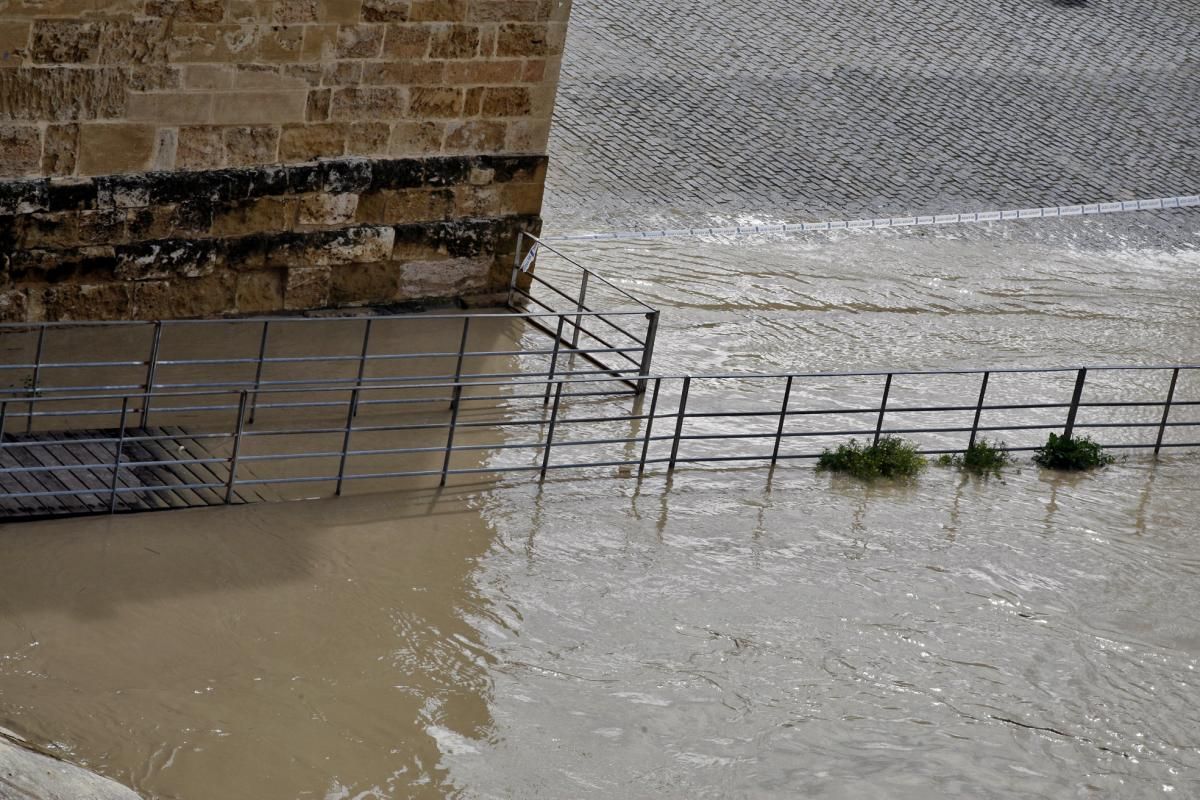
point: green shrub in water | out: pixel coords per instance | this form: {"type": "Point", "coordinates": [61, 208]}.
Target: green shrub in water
{"type": "Point", "coordinates": [982, 458]}
{"type": "Point", "coordinates": [1071, 453]}
{"type": "Point", "coordinates": [890, 458]}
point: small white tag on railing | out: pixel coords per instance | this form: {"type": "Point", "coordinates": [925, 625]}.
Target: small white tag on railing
{"type": "Point", "coordinates": [529, 257]}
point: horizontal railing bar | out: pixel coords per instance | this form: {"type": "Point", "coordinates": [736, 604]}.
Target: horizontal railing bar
{"type": "Point", "coordinates": [255, 321]}
{"type": "Point", "coordinates": [65, 365]}
{"type": "Point", "coordinates": [732, 376]}
{"type": "Point", "coordinates": [112, 440]}
{"type": "Point", "coordinates": [584, 330]}
{"type": "Point", "coordinates": [602, 317]}
{"type": "Point", "coordinates": [108, 466]}
{"type": "Point", "coordinates": [502, 469]}
{"type": "Point", "coordinates": [542, 245]}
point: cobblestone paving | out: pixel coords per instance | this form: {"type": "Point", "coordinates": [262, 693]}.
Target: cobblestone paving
{"type": "Point", "coordinates": [817, 109]}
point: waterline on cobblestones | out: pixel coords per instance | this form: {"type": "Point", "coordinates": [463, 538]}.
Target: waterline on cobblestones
{"type": "Point", "coordinates": [1041, 212]}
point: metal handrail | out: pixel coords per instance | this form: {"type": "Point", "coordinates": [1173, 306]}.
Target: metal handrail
{"type": "Point", "coordinates": [543, 445]}
{"type": "Point", "coordinates": [243, 428]}
{"type": "Point", "coordinates": [543, 245]}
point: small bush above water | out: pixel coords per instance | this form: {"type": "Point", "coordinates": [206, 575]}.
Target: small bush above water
{"type": "Point", "coordinates": [890, 458]}
{"type": "Point", "coordinates": [1071, 453]}
{"type": "Point", "coordinates": [981, 458]}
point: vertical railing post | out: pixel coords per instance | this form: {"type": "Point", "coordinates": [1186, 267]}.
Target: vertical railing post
{"type": "Point", "coordinates": [683, 398]}
{"type": "Point", "coordinates": [553, 359]}
{"type": "Point", "coordinates": [1080, 378]}
{"type": "Point", "coordinates": [512, 281]}
{"type": "Point", "coordinates": [550, 431]}
{"type": "Point", "coordinates": [783, 409]}
{"type": "Point", "coordinates": [887, 389]}
{"type": "Point", "coordinates": [258, 372]}
{"type": "Point", "coordinates": [1162, 426]}
{"type": "Point", "coordinates": [649, 426]}
{"type": "Point", "coordinates": [3, 421]}
{"type": "Point", "coordinates": [983, 386]}
{"type": "Point", "coordinates": [237, 448]}
{"type": "Point", "coordinates": [35, 381]}
{"type": "Point", "coordinates": [353, 409]}
{"type": "Point", "coordinates": [648, 350]}
{"type": "Point", "coordinates": [456, 395]}
{"type": "Point", "coordinates": [112, 488]}
{"type": "Point", "coordinates": [362, 366]}
{"type": "Point", "coordinates": [450, 439]}
{"type": "Point", "coordinates": [579, 306]}
{"type": "Point", "coordinates": [151, 372]}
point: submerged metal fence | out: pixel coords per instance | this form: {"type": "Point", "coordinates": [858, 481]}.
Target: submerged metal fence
{"type": "Point", "coordinates": [44, 360]}
{"type": "Point", "coordinates": [230, 411]}
{"type": "Point", "coordinates": [317, 441]}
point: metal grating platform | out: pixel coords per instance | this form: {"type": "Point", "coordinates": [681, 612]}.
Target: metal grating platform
{"type": "Point", "coordinates": [48, 474]}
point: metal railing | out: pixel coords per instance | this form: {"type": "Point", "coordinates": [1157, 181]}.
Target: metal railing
{"type": "Point", "coordinates": [224, 411]}
{"type": "Point", "coordinates": [183, 355]}
{"type": "Point", "coordinates": [180, 355]}
{"type": "Point", "coordinates": [594, 292]}
{"type": "Point", "coordinates": [317, 441]}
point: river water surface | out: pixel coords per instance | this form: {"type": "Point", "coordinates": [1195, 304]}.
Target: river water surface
{"type": "Point", "coordinates": [724, 633]}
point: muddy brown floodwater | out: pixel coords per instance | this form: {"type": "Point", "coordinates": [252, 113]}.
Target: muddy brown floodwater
{"type": "Point", "coordinates": [724, 633]}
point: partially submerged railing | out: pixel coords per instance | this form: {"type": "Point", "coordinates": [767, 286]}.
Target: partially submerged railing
{"type": "Point", "coordinates": [287, 407]}
{"type": "Point", "coordinates": [594, 292]}
{"type": "Point", "coordinates": [59, 359]}
{"type": "Point", "coordinates": [316, 441]}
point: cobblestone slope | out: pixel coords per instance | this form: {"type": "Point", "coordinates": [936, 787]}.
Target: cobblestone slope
{"type": "Point", "coordinates": [820, 108]}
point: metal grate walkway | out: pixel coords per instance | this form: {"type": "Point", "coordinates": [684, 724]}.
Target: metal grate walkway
{"type": "Point", "coordinates": [48, 474]}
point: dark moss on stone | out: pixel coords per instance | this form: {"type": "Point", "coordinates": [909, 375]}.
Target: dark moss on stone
{"type": "Point", "coordinates": [406, 173]}
{"type": "Point", "coordinates": [447, 171]}
{"type": "Point", "coordinates": [346, 175]}
{"type": "Point", "coordinates": [303, 178]}
{"type": "Point", "coordinates": [24, 197]}
{"type": "Point", "coordinates": [71, 195]}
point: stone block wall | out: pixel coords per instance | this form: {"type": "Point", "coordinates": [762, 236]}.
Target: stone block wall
{"type": "Point", "coordinates": [166, 158]}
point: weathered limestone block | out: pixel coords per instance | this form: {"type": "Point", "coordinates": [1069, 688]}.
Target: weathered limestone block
{"type": "Point", "coordinates": [261, 239]}
{"type": "Point", "coordinates": [251, 216]}
{"type": "Point", "coordinates": [415, 138]}
{"type": "Point", "coordinates": [447, 278]}
{"type": "Point", "coordinates": [66, 41]}
{"type": "Point", "coordinates": [140, 41]}
{"type": "Point", "coordinates": [23, 197]}
{"type": "Point", "coordinates": [37, 268]}
{"type": "Point", "coordinates": [368, 138]}
{"type": "Point", "coordinates": [168, 221]}
{"type": "Point", "coordinates": [61, 93]}
{"type": "Point", "coordinates": [14, 43]}
{"type": "Point", "coordinates": [187, 10]}
{"type": "Point", "coordinates": [45, 230]}
{"type": "Point", "coordinates": [308, 142]}
{"type": "Point", "coordinates": [81, 301]}
{"type": "Point", "coordinates": [362, 244]}
{"type": "Point", "coordinates": [513, 101]}
{"type": "Point", "coordinates": [370, 102]}
{"type": "Point", "coordinates": [474, 136]}
{"type": "Point", "coordinates": [14, 305]}
{"type": "Point", "coordinates": [307, 287]}
{"type": "Point", "coordinates": [260, 292]}
{"type": "Point", "coordinates": [108, 148]}
{"type": "Point", "coordinates": [328, 209]}
{"type": "Point", "coordinates": [189, 258]}
{"type": "Point", "coordinates": [365, 284]}
{"type": "Point", "coordinates": [181, 298]}
{"type": "Point", "coordinates": [20, 149]}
